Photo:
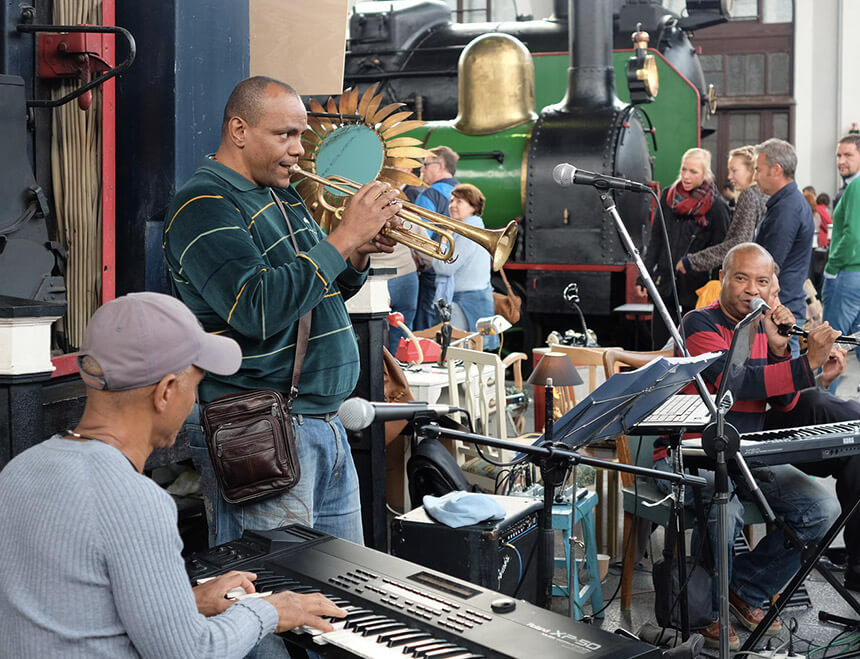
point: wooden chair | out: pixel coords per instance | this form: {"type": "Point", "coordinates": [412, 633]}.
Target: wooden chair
{"type": "Point", "coordinates": [641, 498]}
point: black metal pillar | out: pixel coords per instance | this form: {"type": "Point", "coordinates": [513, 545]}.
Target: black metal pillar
{"type": "Point", "coordinates": [368, 445]}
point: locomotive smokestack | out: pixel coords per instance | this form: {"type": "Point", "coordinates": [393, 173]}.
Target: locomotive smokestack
{"type": "Point", "coordinates": [591, 79]}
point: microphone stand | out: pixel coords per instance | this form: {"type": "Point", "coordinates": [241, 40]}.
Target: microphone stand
{"type": "Point", "coordinates": [553, 459]}
{"type": "Point", "coordinates": [719, 437]}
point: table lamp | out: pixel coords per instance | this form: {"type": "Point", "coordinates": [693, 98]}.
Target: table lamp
{"type": "Point", "coordinates": [553, 370]}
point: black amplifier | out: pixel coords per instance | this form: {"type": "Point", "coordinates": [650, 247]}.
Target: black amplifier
{"type": "Point", "coordinates": [499, 555]}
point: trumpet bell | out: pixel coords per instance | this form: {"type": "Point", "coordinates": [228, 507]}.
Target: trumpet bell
{"type": "Point", "coordinates": [504, 241]}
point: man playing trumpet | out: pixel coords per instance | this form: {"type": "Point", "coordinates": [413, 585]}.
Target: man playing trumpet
{"type": "Point", "coordinates": [232, 261]}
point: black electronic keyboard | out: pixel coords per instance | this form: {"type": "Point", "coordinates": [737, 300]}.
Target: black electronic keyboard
{"type": "Point", "coordinates": [790, 445]}
{"type": "Point", "coordinates": [400, 609]}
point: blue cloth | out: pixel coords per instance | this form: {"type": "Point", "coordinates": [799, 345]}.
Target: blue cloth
{"type": "Point", "coordinates": [435, 198]}
{"type": "Point", "coordinates": [470, 271]}
{"type": "Point", "coordinates": [786, 232]}
{"type": "Point", "coordinates": [403, 291]}
{"type": "Point", "coordinates": [805, 505]}
{"type": "Point", "coordinates": [460, 508]}
{"type": "Point", "coordinates": [326, 497]}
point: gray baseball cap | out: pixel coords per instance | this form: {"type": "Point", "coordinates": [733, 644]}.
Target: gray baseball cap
{"type": "Point", "coordinates": [139, 338]}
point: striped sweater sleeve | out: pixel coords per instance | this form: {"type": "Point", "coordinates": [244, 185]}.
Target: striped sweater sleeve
{"type": "Point", "coordinates": [207, 244]}
{"type": "Point", "coordinates": [766, 376]}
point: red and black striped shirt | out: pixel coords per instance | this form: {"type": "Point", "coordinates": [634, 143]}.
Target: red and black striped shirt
{"type": "Point", "coordinates": [768, 378]}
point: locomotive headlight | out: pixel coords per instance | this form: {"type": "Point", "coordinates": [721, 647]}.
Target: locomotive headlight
{"type": "Point", "coordinates": [702, 13]}
{"type": "Point", "coordinates": [642, 78]}
{"type": "Point", "coordinates": [648, 76]}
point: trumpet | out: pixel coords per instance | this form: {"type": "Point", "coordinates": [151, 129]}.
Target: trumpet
{"type": "Point", "coordinates": [498, 242]}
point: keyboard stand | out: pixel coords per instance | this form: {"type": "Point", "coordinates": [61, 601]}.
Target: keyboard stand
{"type": "Point", "coordinates": [806, 565]}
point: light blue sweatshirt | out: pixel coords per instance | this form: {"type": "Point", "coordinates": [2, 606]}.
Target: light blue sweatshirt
{"type": "Point", "coordinates": [90, 564]}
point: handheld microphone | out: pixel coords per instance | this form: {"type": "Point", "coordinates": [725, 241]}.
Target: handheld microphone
{"type": "Point", "coordinates": [358, 414]}
{"type": "Point", "coordinates": [757, 303]}
{"type": "Point", "coordinates": [566, 174]}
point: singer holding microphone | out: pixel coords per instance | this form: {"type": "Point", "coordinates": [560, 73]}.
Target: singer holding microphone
{"type": "Point", "coordinates": [696, 218]}
{"type": "Point", "coordinates": [772, 377]}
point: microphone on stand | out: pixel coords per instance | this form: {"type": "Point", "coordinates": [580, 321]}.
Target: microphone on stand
{"type": "Point", "coordinates": [566, 174]}
{"type": "Point", "coordinates": [358, 414]}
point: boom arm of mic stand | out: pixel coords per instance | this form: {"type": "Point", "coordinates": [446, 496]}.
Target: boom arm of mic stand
{"type": "Point", "coordinates": [538, 452]}
{"type": "Point", "coordinates": [553, 462]}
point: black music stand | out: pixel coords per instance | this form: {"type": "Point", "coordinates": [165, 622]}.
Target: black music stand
{"type": "Point", "coordinates": [623, 401]}
{"type": "Point", "coordinates": [627, 398]}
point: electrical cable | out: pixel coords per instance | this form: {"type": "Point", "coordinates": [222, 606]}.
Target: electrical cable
{"type": "Point", "coordinates": [678, 310]}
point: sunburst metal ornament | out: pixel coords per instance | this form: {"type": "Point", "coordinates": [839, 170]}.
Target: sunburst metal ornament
{"type": "Point", "coordinates": [360, 150]}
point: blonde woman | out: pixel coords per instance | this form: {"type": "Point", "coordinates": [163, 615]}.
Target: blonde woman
{"type": "Point", "coordinates": [748, 212]}
{"type": "Point", "coordinates": [696, 218]}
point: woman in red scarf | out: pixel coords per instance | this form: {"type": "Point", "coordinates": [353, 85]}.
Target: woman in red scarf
{"type": "Point", "coordinates": [696, 218]}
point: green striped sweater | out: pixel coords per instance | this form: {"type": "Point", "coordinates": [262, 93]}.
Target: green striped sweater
{"type": "Point", "coordinates": [232, 262]}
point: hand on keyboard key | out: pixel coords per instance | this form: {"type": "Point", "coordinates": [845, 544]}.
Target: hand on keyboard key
{"type": "Point", "coordinates": [296, 610]}
{"type": "Point", "coordinates": [214, 595]}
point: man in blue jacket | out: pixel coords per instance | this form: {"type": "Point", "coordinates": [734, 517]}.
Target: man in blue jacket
{"type": "Point", "coordinates": [787, 227]}
{"type": "Point", "coordinates": [438, 172]}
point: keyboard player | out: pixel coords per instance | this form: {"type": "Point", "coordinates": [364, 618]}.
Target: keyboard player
{"type": "Point", "coordinates": [773, 377]}
{"type": "Point", "coordinates": [90, 561]}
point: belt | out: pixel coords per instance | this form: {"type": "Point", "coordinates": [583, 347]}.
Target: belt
{"type": "Point", "coordinates": [328, 416]}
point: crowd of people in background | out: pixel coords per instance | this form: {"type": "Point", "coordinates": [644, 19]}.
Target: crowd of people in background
{"type": "Point", "coordinates": [762, 203]}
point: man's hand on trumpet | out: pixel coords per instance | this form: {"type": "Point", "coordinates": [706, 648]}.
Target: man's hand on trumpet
{"type": "Point", "coordinates": [367, 213]}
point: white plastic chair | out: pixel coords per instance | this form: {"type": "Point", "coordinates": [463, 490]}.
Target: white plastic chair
{"type": "Point", "coordinates": [483, 394]}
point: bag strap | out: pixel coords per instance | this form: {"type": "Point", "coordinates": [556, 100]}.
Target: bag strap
{"type": "Point", "coordinates": [304, 330]}
{"type": "Point", "coordinates": [505, 279]}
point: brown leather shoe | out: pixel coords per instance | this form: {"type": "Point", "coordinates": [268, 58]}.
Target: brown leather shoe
{"type": "Point", "coordinates": [712, 636]}
{"type": "Point", "coordinates": [751, 616]}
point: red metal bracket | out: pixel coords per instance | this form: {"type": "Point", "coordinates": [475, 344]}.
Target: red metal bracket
{"type": "Point", "coordinates": [82, 55]}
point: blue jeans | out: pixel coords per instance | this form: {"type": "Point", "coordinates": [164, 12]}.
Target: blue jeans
{"type": "Point", "coordinates": [326, 496]}
{"type": "Point", "coordinates": [807, 508]}
{"type": "Point", "coordinates": [403, 291]}
{"type": "Point", "coordinates": [425, 314]}
{"type": "Point", "coordinates": [478, 304]}
{"type": "Point", "coordinates": [840, 297]}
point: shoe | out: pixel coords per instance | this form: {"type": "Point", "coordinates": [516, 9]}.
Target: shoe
{"type": "Point", "coordinates": [712, 636]}
{"type": "Point", "coordinates": [838, 556]}
{"type": "Point", "coordinates": [852, 578]}
{"type": "Point", "coordinates": [751, 616]}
